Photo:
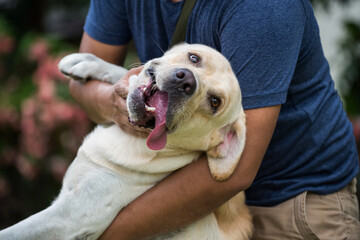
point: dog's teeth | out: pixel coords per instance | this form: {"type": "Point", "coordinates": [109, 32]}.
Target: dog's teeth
{"type": "Point", "coordinates": [150, 109]}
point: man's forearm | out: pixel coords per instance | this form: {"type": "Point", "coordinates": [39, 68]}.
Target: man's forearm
{"type": "Point", "coordinates": [95, 98]}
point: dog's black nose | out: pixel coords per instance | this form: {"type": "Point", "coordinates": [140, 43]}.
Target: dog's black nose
{"type": "Point", "coordinates": [185, 80]}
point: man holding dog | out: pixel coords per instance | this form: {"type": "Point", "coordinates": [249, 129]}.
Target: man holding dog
{"type": "Point", "coordinates": [300, 158]}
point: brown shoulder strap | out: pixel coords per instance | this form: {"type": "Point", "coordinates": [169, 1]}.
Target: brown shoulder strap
{"type": "Point", "coordinates": [180, 29]}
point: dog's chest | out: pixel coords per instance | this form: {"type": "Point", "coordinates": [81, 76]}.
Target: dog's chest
{"type": "Point", "coordinates": [113, 148]}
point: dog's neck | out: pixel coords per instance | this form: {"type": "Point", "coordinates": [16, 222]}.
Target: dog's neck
{"type": "Point", "coordinates": [110, 146]}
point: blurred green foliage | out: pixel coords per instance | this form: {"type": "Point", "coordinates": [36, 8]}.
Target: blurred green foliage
{"type": "Point", "coordinates": [327, 3]}
{"type": "Point", "coordinates": [350, 45]}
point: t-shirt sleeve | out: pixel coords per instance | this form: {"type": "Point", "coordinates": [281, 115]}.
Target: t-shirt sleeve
{"type": "Point", "coordinates": [107, 22]}
{"type": "Point", "coordinates": [262, 40]}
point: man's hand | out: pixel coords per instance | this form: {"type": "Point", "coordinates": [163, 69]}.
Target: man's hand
{"type": "Point", "coordinates": [120, 114]}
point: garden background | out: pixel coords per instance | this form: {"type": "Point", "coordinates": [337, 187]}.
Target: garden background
{"type": "Point", "coordinates": [41, 127]}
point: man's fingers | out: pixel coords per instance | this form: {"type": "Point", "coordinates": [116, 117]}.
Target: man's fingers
{"type": "Point", "coordinates": [120, 114]}
{"type": "Point", "coordinates": [119, 102]}
{"type": "Point", "coordinates": [120, 90]}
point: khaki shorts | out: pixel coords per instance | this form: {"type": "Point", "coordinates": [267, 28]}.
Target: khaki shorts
{"type": "Point", "coordinates": [310, 216]}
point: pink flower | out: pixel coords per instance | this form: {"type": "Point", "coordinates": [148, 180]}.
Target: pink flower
{"type": "Point", "coordinates": [47, 122]}
{"type": "Point", "coordinates": [46, 90]}
{"type": "Point", "coordinates": [39, 50]}
{"type": "Point", "coordinates": [34, 139]}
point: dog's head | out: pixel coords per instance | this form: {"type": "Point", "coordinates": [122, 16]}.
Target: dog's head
{"type": "Point", "coordinates": [191, 99]}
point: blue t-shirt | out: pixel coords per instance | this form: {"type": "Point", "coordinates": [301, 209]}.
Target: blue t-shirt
{"type": "Point", "coordinates": [275, 51]}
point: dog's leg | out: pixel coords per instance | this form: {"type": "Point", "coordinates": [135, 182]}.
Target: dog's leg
{"type": "Point", "coordinates": [234, 219]}
{"type": "Point", "coordinates": [90, 199]}
{"type": "Point", "coordinates": [205, 228]}
{"type": "Point", "coordinates": [86, 66]}
{"type": "Point", "coordinates": [43, 225]}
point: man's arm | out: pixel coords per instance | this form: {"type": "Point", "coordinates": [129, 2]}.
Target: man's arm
{"type": "Point", "coordinates": [191, 193]}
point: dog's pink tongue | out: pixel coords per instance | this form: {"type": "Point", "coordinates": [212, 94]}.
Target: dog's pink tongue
{"type": "Point", "coordinates": [157, 138]}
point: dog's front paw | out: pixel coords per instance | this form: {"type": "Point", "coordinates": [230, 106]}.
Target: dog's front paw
{"type": "Point", "coordinates": [86, 66]}
{"type": "Point", "coordinates": [81, 67]}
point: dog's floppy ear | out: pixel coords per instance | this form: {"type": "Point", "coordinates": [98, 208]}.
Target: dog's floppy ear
{"type": "Point", "coordinates": [224, 157]}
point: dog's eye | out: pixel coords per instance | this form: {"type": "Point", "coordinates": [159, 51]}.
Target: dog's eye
{"type": "Point", "coordinates": [215, 103]}
{"type": "Point", "coordinates": [193, 58]}
{"type": "Point", "coordinates": [150, 72]}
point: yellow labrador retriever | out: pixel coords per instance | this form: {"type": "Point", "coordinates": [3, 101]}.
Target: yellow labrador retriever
{"type": "Point", "coordinates": [191, 100]}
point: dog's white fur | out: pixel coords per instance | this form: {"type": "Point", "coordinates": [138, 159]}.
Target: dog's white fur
{"type": "Point", "coordinates": [112, 168]}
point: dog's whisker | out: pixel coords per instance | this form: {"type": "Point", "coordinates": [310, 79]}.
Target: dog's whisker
{"type": "Point", "coordinates": [158, 45]}
{"type": "Point", "coordinates": [134, 65]}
